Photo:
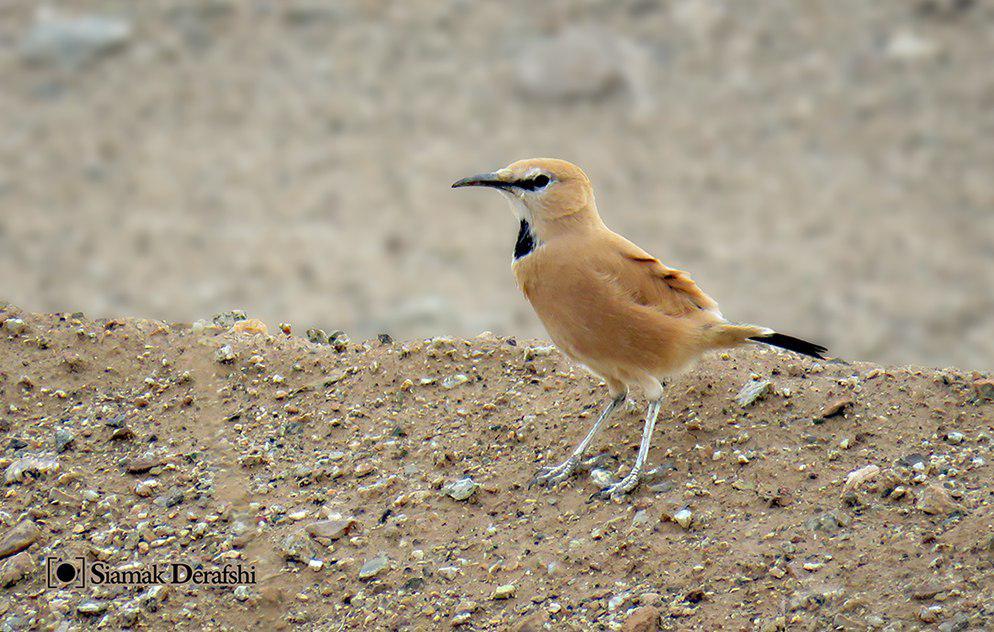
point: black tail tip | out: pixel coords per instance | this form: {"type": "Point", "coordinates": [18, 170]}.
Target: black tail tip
{"type": "Point", "coordinates": [796, 345]}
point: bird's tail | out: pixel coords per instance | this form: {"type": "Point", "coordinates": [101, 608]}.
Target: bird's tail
{"type": "Point", "coordinates": [730, 335]}
{"type": "Point", "coordinates": [790, 343]}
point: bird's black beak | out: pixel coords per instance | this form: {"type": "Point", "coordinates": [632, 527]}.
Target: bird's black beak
{"type": "Point", "coordinates": [482, 180]}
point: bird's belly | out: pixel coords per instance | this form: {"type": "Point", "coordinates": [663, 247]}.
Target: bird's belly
{"type": "Point", "coordinates": [616, 340]}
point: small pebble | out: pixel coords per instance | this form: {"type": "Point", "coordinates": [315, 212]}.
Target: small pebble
{"type": "Point", "coordinates": [641, 518]}
{"type": "Point", "coordinates": [63, 440]}
{"type": "Point", "coordinates": [122, 434]}
{"type": "Point", "coordinates": [935, 500]}
{"type": "Point", "coordinates": [331, 529]}
{"type": "Point", "coordinates": [752, 391]}
{"type": "Point", "coordinates": [23, 535]}
{"type": "Point", "coordinates": [601, 478]}
{"type": "Point", "coordinates": [317, 336]}
{"type": "Point", "coordinates": [242, 593]}
{"type": "Point", "coordinates": [15, 326]}
{"type": "Point", "coordinates": [250, 326]}
{"type": "Point", "coordinates": [91, 607]}
{"type": "Point", "coordinates": [683, 518]}
{"type": "Point", "coordinates": [930, 614]}
{"type": "Point", "coordinates": [857, 477]}
{"type": "Point", "coordinates": [650, 599]}
{"type": "Point", "coordinates": [454, 380]}
{"type": "Point", "coordinates": [169, 499]}
{"type": "Point", "coordinates": [449, 572]}
{"type": "Point", "coordinates": [642, 619]}
{"type": "Point", "coordinates": [364, 469]}
{"type": "Point", "coordinates": [836, 407]}
{"type": "Point", "coordinates": [225, 354]}
{"type": "Point", "coordinates": [297, 547]}
{"type": "Point", "coordinates": [146, 488]}
{"type": "Point", "coordinates": [141, 464]}
{"type": "Point", "coordinates": [461, 489]}
{"type": "Point", "coordinates": [15, 568]}
{"type": "Point", "coordinates": [30, 468]}
{"type": "Point", "coordinates": [373, 566]}
{"type": "Point", "coordinates": [461, 619]}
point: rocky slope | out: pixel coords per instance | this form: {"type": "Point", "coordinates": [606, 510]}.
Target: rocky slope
{"type": "Point", "coordinates": [844, 496]}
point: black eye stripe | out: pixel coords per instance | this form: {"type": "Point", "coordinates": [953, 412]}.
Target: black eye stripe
{"type": "Point", "coordinates": [532, 184]}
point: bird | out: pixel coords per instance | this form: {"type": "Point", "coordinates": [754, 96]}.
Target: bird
{"type": "Point", "coordinates": [608, 304]}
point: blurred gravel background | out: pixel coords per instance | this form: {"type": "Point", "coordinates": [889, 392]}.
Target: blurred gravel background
{"type": "Point", "coordinates": [824, 168]}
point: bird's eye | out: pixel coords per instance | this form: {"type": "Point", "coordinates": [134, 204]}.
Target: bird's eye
{"type": "Point", "coordinates": [533, 184]}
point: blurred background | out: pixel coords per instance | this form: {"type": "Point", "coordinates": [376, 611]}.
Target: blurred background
{"type": "Point", "coordinates": [824, 168]}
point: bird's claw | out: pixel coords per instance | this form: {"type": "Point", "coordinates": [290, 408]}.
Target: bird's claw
{"type": "Point", "coordinates": [608, 493]}
{"type": "Point", "coordinates": [554, 475]}
{"type": "Point", "coordinates": [617, 492]}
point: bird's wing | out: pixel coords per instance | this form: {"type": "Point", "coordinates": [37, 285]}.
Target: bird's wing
{"type": "Point", "coordinates": [648, 282]}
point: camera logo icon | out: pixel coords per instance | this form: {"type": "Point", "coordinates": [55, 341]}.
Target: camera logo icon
{"type": "Point", "coordinates": [65, 572]}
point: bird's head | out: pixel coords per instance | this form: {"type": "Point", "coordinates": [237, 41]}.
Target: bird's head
{"type": "Point", "coordinates": [541, 190]}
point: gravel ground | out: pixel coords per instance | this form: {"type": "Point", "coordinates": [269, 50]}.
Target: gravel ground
{"type": "Point", "coordinates": [383, 485]}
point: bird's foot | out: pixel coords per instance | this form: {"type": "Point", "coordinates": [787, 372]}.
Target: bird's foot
{"type": "Point", "coordinates": [552, 476]}
{"type": "Point", "coordinates": [619, 490]}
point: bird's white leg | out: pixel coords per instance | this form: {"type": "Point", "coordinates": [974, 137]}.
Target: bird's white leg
{"type": "Point", "coordinates": [561, 472]}
{"type": "Point", "coordinates": [634, 477]}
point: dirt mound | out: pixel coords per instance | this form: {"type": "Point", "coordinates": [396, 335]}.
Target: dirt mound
{"type": "Point", "coordinates": [844, 496]}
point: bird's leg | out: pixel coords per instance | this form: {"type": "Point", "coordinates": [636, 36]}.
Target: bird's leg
{"type": "Point", "coordinates": [631, 481]}
{"type": "Point", "coordinates": [561, 472]}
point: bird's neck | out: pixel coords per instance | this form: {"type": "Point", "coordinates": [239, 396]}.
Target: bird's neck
{"type": "Point", "coordinates": [549, 226]}
{"type": "Point", "coordinates": [537, 228]}
{"type": "Point", "coordinates": [526, 241]}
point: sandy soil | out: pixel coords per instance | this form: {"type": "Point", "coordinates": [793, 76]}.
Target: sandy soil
{"type": "Point", "coordinates": [821, 168]}
{"type": "Point", "coordinates": [162, 442]}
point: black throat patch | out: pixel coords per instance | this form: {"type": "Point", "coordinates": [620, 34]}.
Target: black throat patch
{"type": "Point", "coordinates": [526, 241]}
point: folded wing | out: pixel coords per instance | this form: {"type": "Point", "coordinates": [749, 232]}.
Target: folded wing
{"type": "Point", "coordinates": [651, 283]}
